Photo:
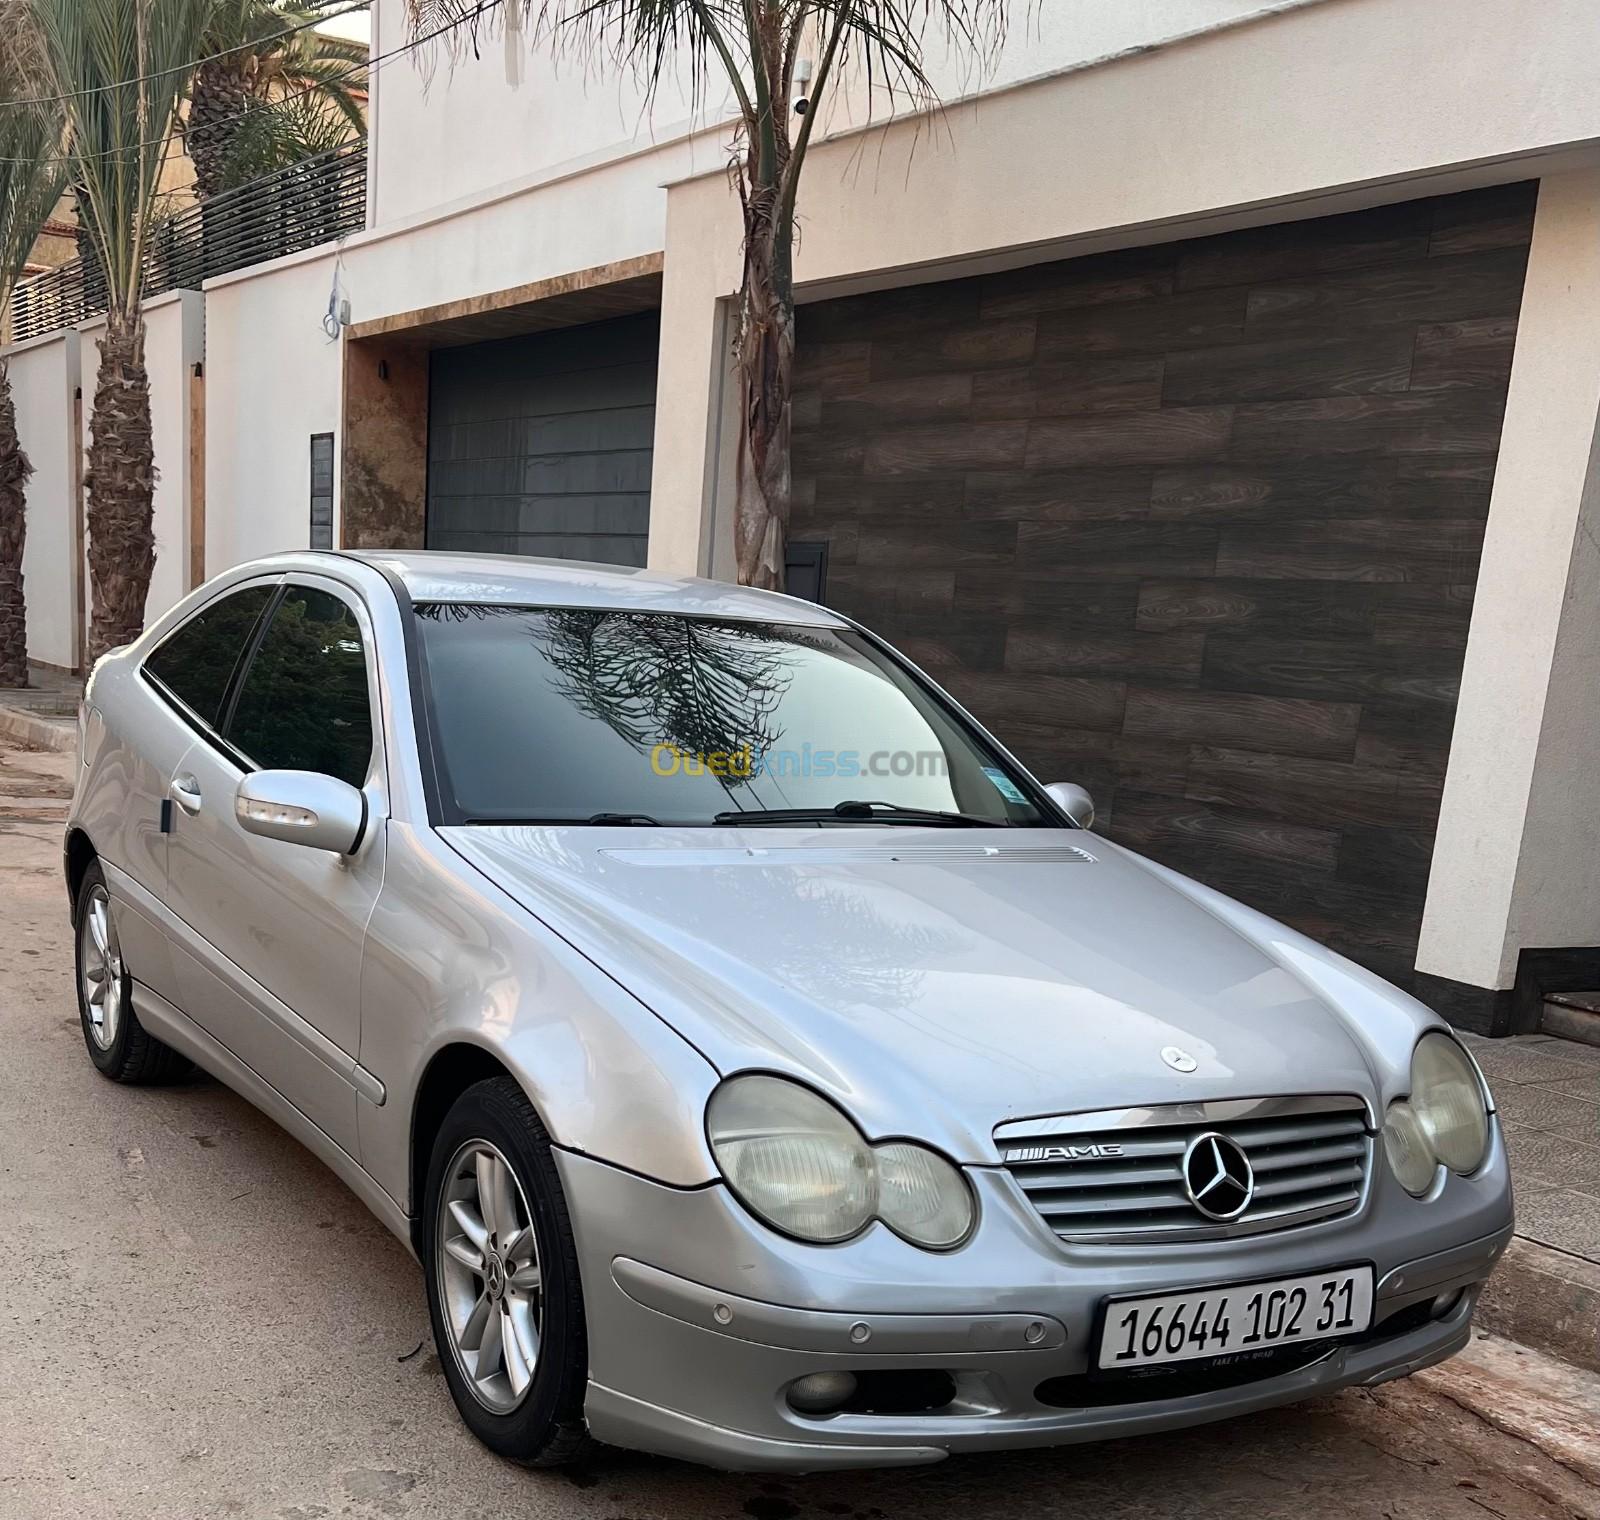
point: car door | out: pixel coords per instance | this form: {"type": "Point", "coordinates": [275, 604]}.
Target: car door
{"type": "Point", "coordinates": [274, 968]}
{"type": "Point", "coordinates": [181, 687]}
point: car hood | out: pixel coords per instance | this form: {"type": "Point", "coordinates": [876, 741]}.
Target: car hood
{"type": "Point", "coordinates": [938, 982]}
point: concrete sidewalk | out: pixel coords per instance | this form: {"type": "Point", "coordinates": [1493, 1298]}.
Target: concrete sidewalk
{"type": "Point", "coordinates": [1547, 1290]}
{"type": "Point", "coordinates": [43, 714]}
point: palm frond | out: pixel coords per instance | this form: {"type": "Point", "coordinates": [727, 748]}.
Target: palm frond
{"type": "Point", "coordinates": [341, 49]}
{"type": "Point", "coordinates": [268, 26]}
{"type": "Point", "coordinates": [122, 68]}
{"type": "Point", "coordinates": [754, 44]}
{"type": "Point", "coordinates": [324, 82]}
{"type": "Point", "coordinates": [272, 136]}
{"type": "Point", "coordinates": [24, 67]}
{"type": "Point", "coordinates": [259, 54]}
{"type": "Point", "coordinates": [32, 175]}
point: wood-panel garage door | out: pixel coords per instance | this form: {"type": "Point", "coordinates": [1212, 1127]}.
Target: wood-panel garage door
{"type": "Point", "coordinates": [1196, 525]}
{"type": "Point", "coordinates": [542, 444]}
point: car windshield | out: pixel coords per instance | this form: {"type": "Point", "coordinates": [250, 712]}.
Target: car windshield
{"type": "Point", "coordinates": [544, 715]}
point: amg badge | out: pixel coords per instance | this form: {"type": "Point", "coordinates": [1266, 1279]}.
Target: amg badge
{"type": "Point", "coordinates": [1063, 1153]}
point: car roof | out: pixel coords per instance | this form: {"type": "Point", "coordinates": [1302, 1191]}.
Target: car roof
{"type": "Point", "coordinates": [510, 580]}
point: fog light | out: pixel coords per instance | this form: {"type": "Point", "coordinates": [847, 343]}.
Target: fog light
{"type": "Point", "coordinates": [820, 1392]}
{"type": "Point", "coordinates": [1445, 1304]}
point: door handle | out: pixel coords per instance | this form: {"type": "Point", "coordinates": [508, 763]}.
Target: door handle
{"type": "Point", "coordinates": [186, 793]}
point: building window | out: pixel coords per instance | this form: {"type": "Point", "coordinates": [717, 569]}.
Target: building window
{"type": "Point", "coordinates": [322, 490]}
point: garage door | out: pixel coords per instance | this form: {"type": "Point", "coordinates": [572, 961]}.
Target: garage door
{"type": "Point", "coordinates": [542, 444]}
{"type": "Point", "coordinates": [1195, 525]}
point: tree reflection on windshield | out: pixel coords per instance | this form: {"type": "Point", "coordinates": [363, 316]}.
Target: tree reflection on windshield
{"type": "Point", "coordinates": [595, 714]}
{"type": "Point", "coordinates": [699, 685]}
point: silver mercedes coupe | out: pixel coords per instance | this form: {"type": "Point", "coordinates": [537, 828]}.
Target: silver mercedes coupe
{"type": "Point", "coordinates": [764, 1067]}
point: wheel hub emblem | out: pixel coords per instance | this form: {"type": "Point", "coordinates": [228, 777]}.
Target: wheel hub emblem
{"type": "Point", "coordinates": [1217, 1176]}
{"type": "Point", "coordinates": [494, 1277]}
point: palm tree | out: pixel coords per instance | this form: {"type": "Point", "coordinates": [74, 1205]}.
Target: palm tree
{"type": "Point", "coordinates": [31, 180]}
{"type": "Point", "coordinates": [762, 48]}
{"type": "Point", "coordinates": [121, 68]}
{"type": "Point", "coordinates": [296, 129]}
{"type": "Point", "coordinates": [273, 89]}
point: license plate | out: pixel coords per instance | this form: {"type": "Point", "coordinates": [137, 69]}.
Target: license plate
{"type": "Point", "coordinates": [1208, 1322]}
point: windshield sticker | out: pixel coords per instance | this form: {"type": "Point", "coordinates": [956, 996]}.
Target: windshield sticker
{"type": "Point", "coordinates": [1003, 784]}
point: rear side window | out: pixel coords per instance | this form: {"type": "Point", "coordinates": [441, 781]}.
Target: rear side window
{"type": "Point", "coordinates": [195, 663]}
{"type": "Point", "coordinates": [303, 703]}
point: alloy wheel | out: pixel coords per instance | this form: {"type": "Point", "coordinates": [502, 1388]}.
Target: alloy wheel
{"type": "Point", "coordinates": [490, 1288]}
{"type": "Point", "coordinates": [100, 958]}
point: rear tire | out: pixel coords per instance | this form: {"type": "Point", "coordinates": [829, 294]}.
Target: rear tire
{"type": "Point", "coordinates": [504, 1293]}
{"type": "Point", "coordinates": [119, 1045]}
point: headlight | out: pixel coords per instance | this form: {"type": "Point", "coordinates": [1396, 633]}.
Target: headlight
{"type": "Point", "coordinates": [795, 1161]}
{"type": "Point", "coordinates": [792, 1158]}
{"type": "Point", "coordinates": [921, 1196]}
{"type": "Point", "coordinates": [1445, 1121]}
{"type": "Point", "coordinates": [1406, 1146]}
{"type": "Point", "coordinates": [1448, 1098]}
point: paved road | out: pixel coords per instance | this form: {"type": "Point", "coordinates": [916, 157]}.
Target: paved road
{"type": "Point", "coordinates": [196, 1319]}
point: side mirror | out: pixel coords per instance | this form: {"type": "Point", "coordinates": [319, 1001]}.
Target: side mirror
{"type": "Point", "coordinates": [302, 807]}
{"type": "Point", "coordinates": [1076, 803]}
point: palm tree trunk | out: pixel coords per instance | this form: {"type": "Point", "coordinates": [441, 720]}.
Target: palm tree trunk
{"type": "Point", "coordinates": [14, 473]}
{"type": "Point", "coordinates": [120, 482]}
{"type": "Point", "coordinates": [219, 97]}
{"type": "Point", "coordinates": [766, 372]}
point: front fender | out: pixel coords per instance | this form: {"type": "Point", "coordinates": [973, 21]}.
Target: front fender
{"type": "Point", "coordinates": [450, 959]}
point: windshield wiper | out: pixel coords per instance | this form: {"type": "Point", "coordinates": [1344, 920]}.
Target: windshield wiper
{"type": "Point", "coordinates": [861, 812]}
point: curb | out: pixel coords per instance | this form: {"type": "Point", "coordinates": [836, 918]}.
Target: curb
{"type": "Point", "coordinates": [1532, 1397]}
{"type": "Point", "coordinates": [1570, 1023]}
{"type": "Point", "coordinates": [41, 733]}
{"type": "Point", "coordinates": [1546, 1299]}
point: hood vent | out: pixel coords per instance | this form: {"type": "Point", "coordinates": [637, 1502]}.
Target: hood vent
{"type": "Point", "coordinates": [830, 855]}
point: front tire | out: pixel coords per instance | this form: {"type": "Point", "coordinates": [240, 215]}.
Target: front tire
{"type": "Point", "coordinates": [501, 1264]}
{"type": "Point", "coordinates": [119, 1045]}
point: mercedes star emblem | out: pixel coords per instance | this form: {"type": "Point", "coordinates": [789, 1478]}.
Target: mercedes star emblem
{"type": "Point", "coordinates": [1217, 1176]}
{"type": "Point", "coordinates": [1178, 1059]}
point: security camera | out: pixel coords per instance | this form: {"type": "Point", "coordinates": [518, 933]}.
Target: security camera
{"type": "Point", "coordinates": [802, 79]}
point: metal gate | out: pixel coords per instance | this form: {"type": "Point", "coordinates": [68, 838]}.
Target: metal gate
{"type": "Point", "coordinates": [541, 444]}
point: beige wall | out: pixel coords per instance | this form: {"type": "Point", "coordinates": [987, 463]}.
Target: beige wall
{"type": "Point", "coordinates": [493, 117]}
{"type": "Point", "coordinates": [173, 344]}
{"type": "Point", "coordinates": [274, 377]}
{"type": "Point", "coordinates": [1517, 863]}
{"type": "Point", "coordinates": [55, 429]}
{"type": "Point", "coordinates": [44, 375]}
{"type": "Point", "coordinates": [272, 380]}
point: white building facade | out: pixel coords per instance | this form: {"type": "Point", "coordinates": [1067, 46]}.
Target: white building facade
{"type": "Point", "coordinates": [1208, 395]}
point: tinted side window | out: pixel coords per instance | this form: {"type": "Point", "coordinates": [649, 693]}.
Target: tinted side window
{"type": "Point", "coordinates": [194, 664]}
{"type": "Point", "coordinates": [303, 704]}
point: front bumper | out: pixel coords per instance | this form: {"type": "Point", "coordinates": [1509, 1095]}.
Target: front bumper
{"type": "Point", "coordinates": [700, 1319]}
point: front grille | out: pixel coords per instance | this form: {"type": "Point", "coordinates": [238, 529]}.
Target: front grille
{"type": "Point", "coordinates": [1118, 1176]}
